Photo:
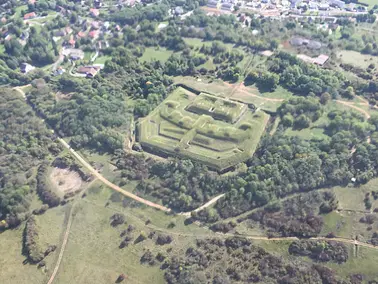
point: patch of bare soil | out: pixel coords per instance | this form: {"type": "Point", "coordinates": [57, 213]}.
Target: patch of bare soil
{"type": "Point", "coordinates": [65, 181]}
{"type": "Point", "coordinates": [61, 96]}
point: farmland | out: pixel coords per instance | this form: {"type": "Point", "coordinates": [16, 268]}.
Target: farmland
{"type": "Point", "coordinates": [217, 132]}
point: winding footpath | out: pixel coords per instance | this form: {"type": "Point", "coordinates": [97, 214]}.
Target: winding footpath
{"type": "Point", "coordinates": [108, 183]}
{"type": "Point", "coordinates": [63, 246]}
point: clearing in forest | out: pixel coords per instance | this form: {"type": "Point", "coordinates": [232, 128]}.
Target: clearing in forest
{"type": "Point", "coordinates": [65, 180]}
{"type": "Point", "coordinates": [216, 131]}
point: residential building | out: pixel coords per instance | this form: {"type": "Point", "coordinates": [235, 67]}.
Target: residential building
{"type": "Point", "coordinates": [227, 6]}
{"type": "Point", "coordinates": [24, 35]}
{"type": "Point", "coordinates": [323, 6]}
{"type": "Point", "coordinates": [337, 3]}
{"type": "Point", "coordinates": [94, 12]}
{"type": "Point", "coordinates": [178, 11]}
{"type": "Point", "coordinates": [29, 16]}
{"type": "Point", "coordinates": [25, 67]}
{"type": "Point", "coordinates": [90, 71]}
{"type": "Point", "coordinates": [321, 59]}
{"type": "Point", "coordinates": [76, 54]}
{"type": "Point", "coordinates": [95, 25]}
{"type": "Point", "coordinates": [94, 34]}
{"type": "Point", "coordinates": [72, 42]}
{"type": "Point", "coordinates": [60, 33]}
{"type": "Point", "coordinates": [213, 4]}
{"type": "Point", "coordinates": [313, 5]}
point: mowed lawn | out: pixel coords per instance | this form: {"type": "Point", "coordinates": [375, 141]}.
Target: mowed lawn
{"type": "Point", "coordinates": [151, 53]}
{"type": "Point", "coordinates": [357, 59]}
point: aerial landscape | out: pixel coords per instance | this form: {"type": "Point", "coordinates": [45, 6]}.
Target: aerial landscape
{"type": "Point", "coordinates": [188, 142]}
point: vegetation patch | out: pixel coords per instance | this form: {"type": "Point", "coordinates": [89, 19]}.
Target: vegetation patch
{"type": "Point", "coordinates": [65, 180]}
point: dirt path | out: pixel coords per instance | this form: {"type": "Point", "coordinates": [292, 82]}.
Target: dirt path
{"type": "Point", "coordinates": [112, 185]}
{"type": "Point", "coordinates": [251, 237]}
{"type": "Point", "coordinates": [207, 204]}
{"type": "Point", "coordinates": [364, 112]}
{"type": "Point", "coordinates": [63, 246]}
{"type": "Point", "coordinates": [243, 90]}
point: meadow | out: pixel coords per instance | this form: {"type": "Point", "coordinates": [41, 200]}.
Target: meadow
{"type": "Point", "coordinates": [356, 58]}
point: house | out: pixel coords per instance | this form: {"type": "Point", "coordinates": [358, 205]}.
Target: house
{"type": "Point", "coordinates": [80, 34]}
{"type": "Point", "coordinates": [68, 30]}
{"type": "Point", "coordinates": [32, 2]}
{"type": "Point", "coordinates": [58, 71]}
{"type": "Point", "coordinates": [323, 6]}
{"type": "Point", "coordinates": [118, 28]}
{"type": "Point", "coordinates": [178, 11]}
{"type": "Point", "coordinates": [337, 3]}
{"type": "Point", "coordinates": [312, 44]}
{"type": "Point", "coordinates": [71, 42]}
{"type": "Point", "coordinates": [313, 5]}
{"type": "Point", "coordinates": [227, 6]}
{"type": "Point", "coordinates": [90, 71]}
{"type": "Point", "coordinates": [212, 4]}
{"type": "Point", "coordinates": [94, 12]}
{"type": "Point", "coordinates": [297, 41]}
{"type": "Point", "coordinates": [25, 67]}
{"type": "Point", "coordinates": [24, 35]}
{"type": "Point", "coordinates": [61, 10]}
{"type": "Point", "coordinates": [351, 7]}
{"type": "Point", "coordinates": [60, 33]}
{"type": "Point", "coordinates": [106, 25]}
{"type": "Point", "coordinates": [29, 16]}
{"type": "Point", "coordinates": [3, 20]}
{"type": "Point", "coordinates": [321, 59]}
{"type": "Point", "coordinates": [95, 25]}
{"type": "Point", "coordinates": [76, 54]}
{"type": "Point", "coordinates": [94, 34]}
{"type": "Point", "coordinates": [97, 3]}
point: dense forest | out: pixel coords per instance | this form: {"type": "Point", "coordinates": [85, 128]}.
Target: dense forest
{"type": "Point", "coordinates": [25, 143]}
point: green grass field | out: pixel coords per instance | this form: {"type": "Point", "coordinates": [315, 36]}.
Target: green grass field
{"type": "Point", "coordinates": [19, 10]}
{"type": "Point", "coordinates": [371, 3]}
{"type": "Point", "coordinates": [217, 132]}
{"type": "Point", "coordinates": [102, 59]}
{"type": "Point", "coordinates": [352, 198]}
{"type": "Point", "coordinates": [92, 254]}
{"type": "Point", "coordinates": [356, 58]}
{"type": "Point", "coordinates": [50, 229]}
{"type": "Point", "coordinates": [151, 53]}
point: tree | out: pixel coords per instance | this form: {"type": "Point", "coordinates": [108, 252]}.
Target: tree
{"type": "Point", "coordinates": [325, 98]}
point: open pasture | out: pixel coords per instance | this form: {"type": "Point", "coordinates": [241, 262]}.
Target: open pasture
{"type": "Point", "coordinates": [215, 131]}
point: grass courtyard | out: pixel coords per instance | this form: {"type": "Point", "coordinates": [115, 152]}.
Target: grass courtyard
{"type": "Point", "coordinates": [215, 131]}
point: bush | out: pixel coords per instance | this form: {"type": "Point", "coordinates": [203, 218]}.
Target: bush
{"type": "Point", "coordinates": [117, 219]}
{"type": "Point", "coordinates": [30, 239]}
{"type": "Point", "coordinates": [163, 240]}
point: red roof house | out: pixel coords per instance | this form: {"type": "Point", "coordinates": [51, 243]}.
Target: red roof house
{"type": "Point", "coordinates": [93, 34]}
{"type": "Point", "coordinates": [80, 34]}
{"type": "Point", "coordinates": [29, 16]}
{"type": "Point", "coordinates": [94, 12]}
